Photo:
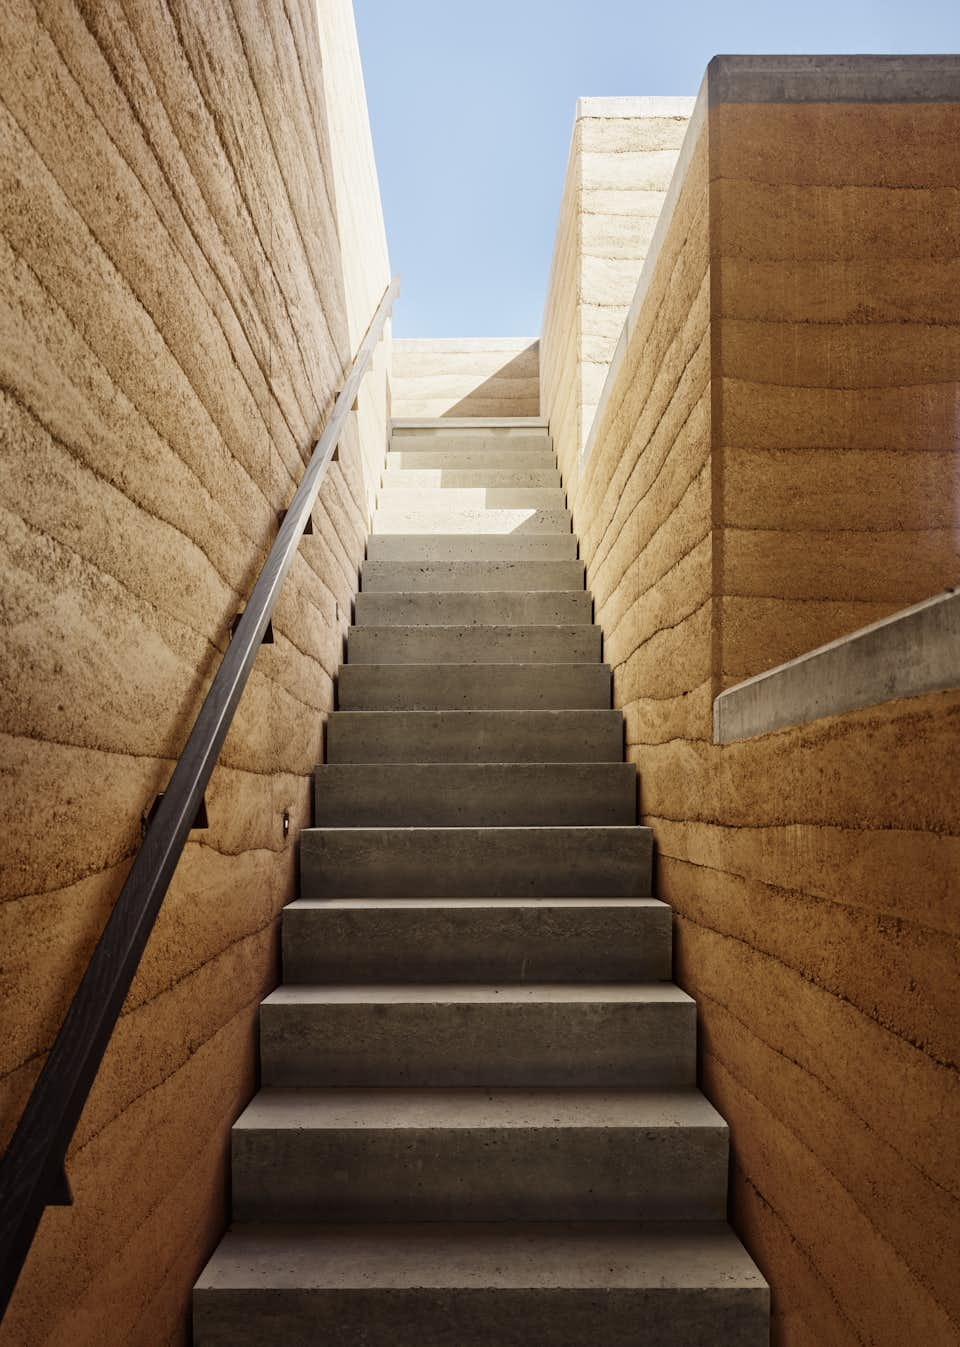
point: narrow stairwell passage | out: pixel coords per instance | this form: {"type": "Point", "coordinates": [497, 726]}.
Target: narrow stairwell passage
{"type": "Point", "coordinates": [479, 1123]}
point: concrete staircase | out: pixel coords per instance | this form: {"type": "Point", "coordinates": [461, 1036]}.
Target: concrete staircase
{"type": "Point", "coordinates": [478, 1123]}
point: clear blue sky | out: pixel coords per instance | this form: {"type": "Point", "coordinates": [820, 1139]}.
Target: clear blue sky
{"type": "Point", "coordinates": [472, 104]}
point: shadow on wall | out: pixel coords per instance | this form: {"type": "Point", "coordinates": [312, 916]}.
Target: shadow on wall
{"type": "Point", "coordinates": [439, 377]}
{"type": "Point", "coordinates": [509, 385]}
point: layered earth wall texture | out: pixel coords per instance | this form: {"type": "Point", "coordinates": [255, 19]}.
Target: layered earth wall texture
{"type": "Point", "coordinates": [177, 313]}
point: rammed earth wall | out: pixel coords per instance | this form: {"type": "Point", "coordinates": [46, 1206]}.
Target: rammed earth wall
{"type": "Point", "coordinates": [775, 463]}
{"type": "Point", "coordinates": [184, 282]}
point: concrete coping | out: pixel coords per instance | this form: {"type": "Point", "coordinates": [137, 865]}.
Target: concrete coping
{"type": "Point", "coordinates": [834, 79]}
{"type": "Point", "coordinates": [634, 107]}
{"type": "Point", "coordinates": [905, 655]}
{"type": "Point", "coordinates": [777, 79]}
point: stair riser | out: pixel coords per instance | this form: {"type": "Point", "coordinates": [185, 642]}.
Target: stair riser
{"type": "Point", "coordinates": [475, 862]}
{"type": "Point", "coordinates": [468, 459]}
{"type": "Point", "coordinates": [490, 943]}
{"type": "Point", "coordinates": [563, 1044]}
{"type": "Point", "coordinates": [470, 479]}
{"type": "Point", "coordinates": [464, 687]}
{"type": "Point", "coordinates": [498, 441]}
{"type": "Point", "coordinates": [490, 795]}
{"type": "Point", "coordinates": [470, 1317]}
{"type": "Point", "coordinates": [461, 609]}
{"type": "Point", "coordinates": [447, 545]}
{"type": "Point", "coordinates": [398, 497]}
{"type": "Point", "coordinates": [472, 576]}
{"type": "Point", "coordinates": [475, 736]}
{"type": "Point", "coordinates": [521, 521]}
{"type": "Point", "coordinates": [474, 645]}
{"type": "Point", "coordinates": [480, 1174]}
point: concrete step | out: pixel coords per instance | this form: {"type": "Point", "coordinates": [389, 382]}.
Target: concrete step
{"type": "Point", "coordinates": [473, 1284]}
{"type": "Point", "coordinates": [483, 940]}
{"type": "Point", "coordinates": [592, 861]}
{"type": "Point", "coordinates": [472, 576]}
{"type": "Point", "coordinates": [489, 608]}
{"type": "Point", "coordinates": [474, 794]}
{"type": "Point", "coordinates": [446, 422]}
{"type": "Point", "coordinates": [396, 498]}
{"type": "Point", "coordinates": [579, 644]}
{"type": "Point", "coordinates": [479, 1155]}
{"type": "Point", "coordinates": [562, 1035]}
{"type": "Point", "coordinates": [502, 439]}
{"type": "Point", "coordinates": [475, 736]}
{"type": "Point", "coordinates": [476, 520]}
{"type": "Point", "coordinates": [440, 478]}
{"type": "Point", "coordinates": [467, 456]}
{"type": "Point", "coordinates": [444, 546]}
{"type": "Point", "coordinates": [461, 687]}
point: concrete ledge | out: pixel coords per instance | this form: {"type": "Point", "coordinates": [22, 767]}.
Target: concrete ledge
{"type": "Point", "coordinates": [905, 655]}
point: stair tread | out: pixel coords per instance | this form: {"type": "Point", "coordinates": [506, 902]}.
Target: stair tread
{"type": "Point", "coordinates": [439, 546]}
{"type": "Point", "coordinates": [431, 688]}
{"type": "Point", "coordinates": [447, 794]}
{"type": "Point", "coordinates": [467, 1108]}
{"type": "Point", "coordinates": [534, 576]}
{"type": "Point", "coordinates": [397, 494]}
{"type": "Point", "coordinates": [461, 904]}
{"type": "Point", "coordinates": [557, 830]}
{"type": "Point", "coordinates": [471, 671]}
{"type": "Point", "coordinates": [451, 594]}
{"type": "Point", "coordinates": [476, 711]}
{"type": "Point", "coordinates": [454, 594]}
{"type": "Point", "coordinates": [477, 478]}
{"type": "Point", "coordinates": [469, 993]}
{"type": "Point", "coordinates": [430, 771]}
{"type": "Point", "coordinates": [532, 629]}
{"type": "Point", "coordinates": [474, 642]}
{"type": "Point", "coordinates": [474, 607]}
{"type": "Point", "coordinates": [549, 1254]}
{"type": "Point", "coordinates": [401, 423]}
{"type": "Point", "coordinates": [497, 521]}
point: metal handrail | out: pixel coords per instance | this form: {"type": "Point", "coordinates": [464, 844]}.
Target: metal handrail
{"type": "Point", "coordinates": [32, 1175]}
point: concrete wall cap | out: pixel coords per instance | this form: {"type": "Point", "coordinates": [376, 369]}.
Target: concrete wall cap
{"type": "Point", "coordinates": [635, 107]}
{"type": "Point", "coordinates": [834, 79]}
{"type": "Point", "coordinates": [471, 344]}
